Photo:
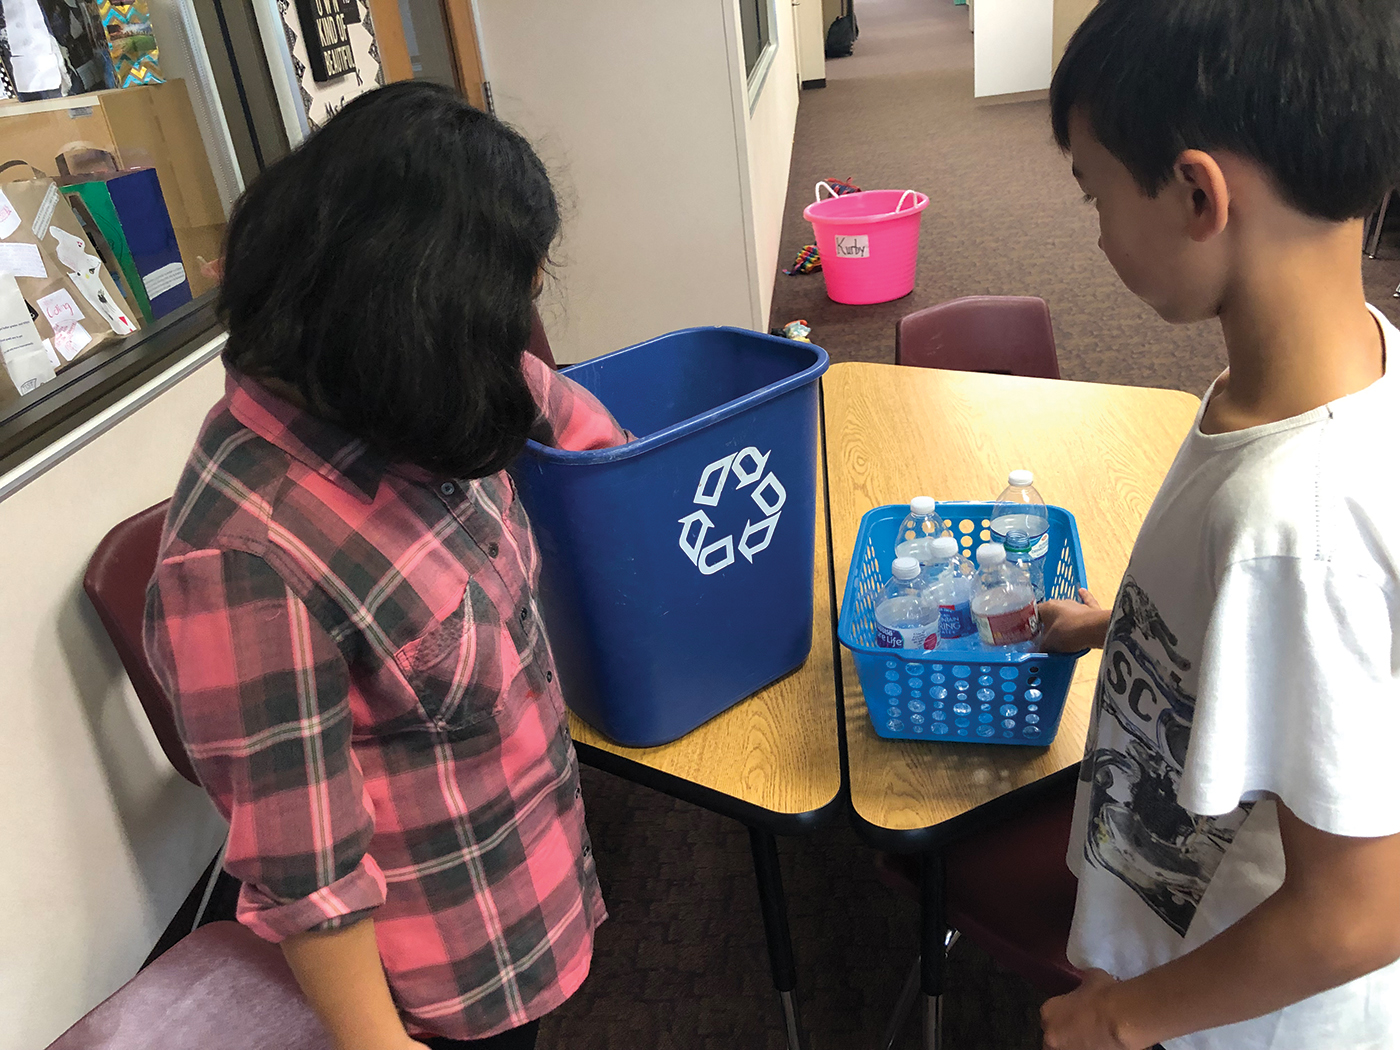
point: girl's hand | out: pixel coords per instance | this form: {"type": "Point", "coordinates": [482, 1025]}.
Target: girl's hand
{"type": "Point", "coordinates": [1066, 627]}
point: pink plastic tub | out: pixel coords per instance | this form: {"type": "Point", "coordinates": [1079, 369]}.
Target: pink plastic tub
{"type": "Point", "coordinates": [869, 243]}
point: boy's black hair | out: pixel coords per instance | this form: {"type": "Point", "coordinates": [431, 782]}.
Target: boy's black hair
{"type": "Point", "coordinates": [1308, 89]}
{"type": "Point", "coordinates": [385, 269]}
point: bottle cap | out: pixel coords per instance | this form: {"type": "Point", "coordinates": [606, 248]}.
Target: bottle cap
{"type": "Point", "coordinates": [906, 568]}
{"type": "Point", "coordinates": [1020, 478]}
{"type": "Point", "coordinates": [923, 505]}
{"type": "Point", "coordinates": [990, 555]}
{"type": "Point", "coordinates": [943, 548]}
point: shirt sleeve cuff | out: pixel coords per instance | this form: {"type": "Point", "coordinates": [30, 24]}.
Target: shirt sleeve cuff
{"type": "Point", "coordinates": [342, 903]}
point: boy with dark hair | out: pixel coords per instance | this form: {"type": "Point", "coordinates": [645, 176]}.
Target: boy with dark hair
{"type": "Point", "coordinates": [1237, 826]}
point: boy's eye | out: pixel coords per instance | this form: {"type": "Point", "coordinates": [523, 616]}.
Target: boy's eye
{"type": "Point", "coordinates": [1088, 198]}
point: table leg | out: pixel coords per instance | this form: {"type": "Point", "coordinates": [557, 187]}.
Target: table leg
{"type": "Point", "coordinates": [775, 926]}
{"type": "Point", "coordinates": [933, 946]}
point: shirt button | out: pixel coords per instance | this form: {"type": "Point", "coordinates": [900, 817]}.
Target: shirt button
{"type": "Point", "coordinates": [493, 550]}
{"type": "Point", "coordinates": [549, 676]}
{"type": "Point", "coordinates": [524, 615]}
{"type": "Point", "coordinates": [447, 488]}
{"type": "Point", "coordinates": [588, 851]}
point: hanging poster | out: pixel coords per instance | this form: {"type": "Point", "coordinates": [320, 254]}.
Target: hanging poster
{"type": "Point", "coordinates": [321, 98]}
{"type": "Point", "coordinates": [327, 38]}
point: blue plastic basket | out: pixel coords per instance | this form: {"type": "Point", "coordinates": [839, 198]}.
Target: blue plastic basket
{"type": "Point", "coordinates": [677, 573]}
{"type": "Point", "coordinates": [962, 691]}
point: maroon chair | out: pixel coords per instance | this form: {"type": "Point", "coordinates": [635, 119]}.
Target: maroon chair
{"type": "Point", "coordinates": [1009, 891]}
{"type": "Point", "coordinates": [115, 583]}
{"type": "Point", "coordinates": [221, 988]}
{"type": "Point", "coordinates": [1006, 334]}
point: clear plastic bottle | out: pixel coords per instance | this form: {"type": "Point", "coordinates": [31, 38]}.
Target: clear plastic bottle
{"type": "Point", "coordinates": [903, 618]}
{"type": "Point", "coordinates": [1020, 508]}
{"type": "Point", "coordinates": [1018, 557]}
{"type": "Point", "coordinates": [922, 523]}
{"type": "Point", "coordinates": [1004, 603]}
{"type": "Point", "coordinates": [948, 585]}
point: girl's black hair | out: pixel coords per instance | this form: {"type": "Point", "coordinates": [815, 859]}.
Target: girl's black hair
{"type": "Point", "coordinates": [386, 269]}
{"type": "Point", "coordinates": [1308, 89]}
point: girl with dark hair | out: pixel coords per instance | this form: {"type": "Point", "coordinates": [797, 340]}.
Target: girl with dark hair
{"type": "Point", "coordinates": [344, 610]}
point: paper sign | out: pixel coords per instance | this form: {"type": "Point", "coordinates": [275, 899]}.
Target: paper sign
{"type": "Point", "coordinates": [72, 251]}
{"type": "Point", "coordinates": [158, 282]}
{"type": "Point", "coordinates": [9, 218]}
{"type": "Point", "coordinates": [853, 247]}
{"type": "Point", "coordinates": [54, 359]}
{"type": "Point", "coordinates": [46, 207]}
{"type": "Point", "coordinates": [60, 308]}
{"type": "Point", "coordinates": [20, 347]}
{"type": "Point", "coordinates": [22, 260]}
{"type": "Point", "coordinates": [70, 340]}
{"type": "Point", "coordinates": [90, 284]}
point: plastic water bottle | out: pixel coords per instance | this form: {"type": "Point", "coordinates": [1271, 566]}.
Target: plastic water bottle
{"type": "Point", "coordinates": [903, 618]}
{"type": "Point", "coordinates": [950, 587]}
{"type": "Point", "coordinates": [1004, 605]}
{"type": "Point", "coordinates": [1020, 508]}
{"type": "Point", "coordinates": [922, 523]}
{"type": "Point", "coordinates": [1018, 558]}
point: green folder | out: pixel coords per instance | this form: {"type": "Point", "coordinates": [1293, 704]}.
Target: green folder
{"type": "Point", "coordinates": [104, 213]}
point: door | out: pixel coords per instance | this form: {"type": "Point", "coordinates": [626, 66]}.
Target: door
{"type": "Point", "coordinates": [431, 40]}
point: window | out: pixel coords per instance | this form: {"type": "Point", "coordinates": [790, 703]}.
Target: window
{"type": "Point", "coordinates": [756, 24]}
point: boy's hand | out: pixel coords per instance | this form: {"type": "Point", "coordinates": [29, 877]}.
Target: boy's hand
{"type": "Point", "coordinates": [1082, 1020]}
{"type": "Point", "coordinates": [1067, 627]}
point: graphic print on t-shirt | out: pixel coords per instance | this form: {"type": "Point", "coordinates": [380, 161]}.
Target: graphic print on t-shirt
{"type": "Point", "coordinates": [1142, 724]}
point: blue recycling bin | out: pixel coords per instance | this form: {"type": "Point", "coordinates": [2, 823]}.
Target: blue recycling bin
{"type": "Point", "coordinates": [677, 570]}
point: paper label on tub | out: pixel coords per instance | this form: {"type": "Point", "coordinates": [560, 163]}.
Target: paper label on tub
{"type": "Point", "coordinates": [853, 246]}
{"type": "Point", "coordinates": [748, 468]}
{"type": "Point", "coordinates": [158, 282]}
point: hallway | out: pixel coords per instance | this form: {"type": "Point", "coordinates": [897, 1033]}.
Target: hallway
{"type": "Point", "coordinates": [1004, 217]}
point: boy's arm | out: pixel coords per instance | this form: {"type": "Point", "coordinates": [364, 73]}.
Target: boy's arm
{"type": "Point", "coordinates": [1335, 918]}
{"type": "Point", "coordinates": [1067, 627]}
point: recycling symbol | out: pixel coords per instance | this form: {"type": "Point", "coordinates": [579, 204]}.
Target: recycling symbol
{"type": "Point", "coordinates": [748, 467]}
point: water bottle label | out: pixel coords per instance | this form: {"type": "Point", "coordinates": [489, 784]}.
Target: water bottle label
{"type": "Point", "coordinates": [1042, 546]}
{"type": "Point", "coordinates": [911, 638]}
{"type": "Point", "coordinates": [1008, 628]}
{"type": "Point", "coordinates": [955, 621]}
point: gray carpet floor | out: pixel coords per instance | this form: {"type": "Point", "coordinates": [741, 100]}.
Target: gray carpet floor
{"type": "Point", "coordinates": [681, 963]}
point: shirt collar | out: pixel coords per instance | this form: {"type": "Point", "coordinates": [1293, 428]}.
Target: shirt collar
{"type": "Point", "coordinates": [337, 456]}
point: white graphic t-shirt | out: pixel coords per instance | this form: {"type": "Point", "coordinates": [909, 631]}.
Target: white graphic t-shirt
{"type": "Point", "coordinates": [1253, 655]}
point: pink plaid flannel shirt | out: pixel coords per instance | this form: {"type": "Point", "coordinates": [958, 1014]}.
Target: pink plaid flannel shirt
{"type": "Point", "coordinates": [360, 675]}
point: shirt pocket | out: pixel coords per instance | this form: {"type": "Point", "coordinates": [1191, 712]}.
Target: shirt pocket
{"type": "Point", "coordinates": [455, 666]}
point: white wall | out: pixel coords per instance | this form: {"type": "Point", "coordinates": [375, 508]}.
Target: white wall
{"type": "Point", "coordinates": [629, 103]}
{"type": "Point", "coordinates": [811, 39]}
{"type": "Point", "coordinates": [102, 839]}
{"type": "Point", "coordinates": [769, 136]}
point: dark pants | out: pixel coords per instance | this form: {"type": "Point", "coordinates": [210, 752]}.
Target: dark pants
{"type": "Point", "coordinates": [522, 1038]}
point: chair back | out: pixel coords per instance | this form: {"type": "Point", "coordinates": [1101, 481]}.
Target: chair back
{"type": "Point", "coordinates": [1006, 334]}
{"type": "Point", "coordinates": [221, 988]}
{"type": "Point", "coordinates": [115, 582]}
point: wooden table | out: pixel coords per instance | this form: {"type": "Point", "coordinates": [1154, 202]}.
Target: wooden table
{"type": "Point", "coordinates": [893, 433]}
{"type": "Point", "coordinates": [772, 762]}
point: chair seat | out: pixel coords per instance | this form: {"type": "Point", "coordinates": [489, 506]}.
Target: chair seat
{"type": "Point", "coordinates": [221, 988]}
{"type": "Point", "coordinates": [1009, 891]}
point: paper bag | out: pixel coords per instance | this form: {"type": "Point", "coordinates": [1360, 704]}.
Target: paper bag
{"type": "Point", "coordinates": [76, 305]}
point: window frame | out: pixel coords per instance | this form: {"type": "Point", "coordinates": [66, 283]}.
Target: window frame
{"type": "Point", "coordinates": [758, 75]}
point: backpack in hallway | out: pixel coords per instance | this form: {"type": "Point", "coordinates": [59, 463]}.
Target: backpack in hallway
{"type": "Point", "coordinates": [841, 37]}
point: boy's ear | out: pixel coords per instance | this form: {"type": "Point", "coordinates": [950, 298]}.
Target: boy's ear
{"type": "Point", "coordinates": [1208, 195]}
